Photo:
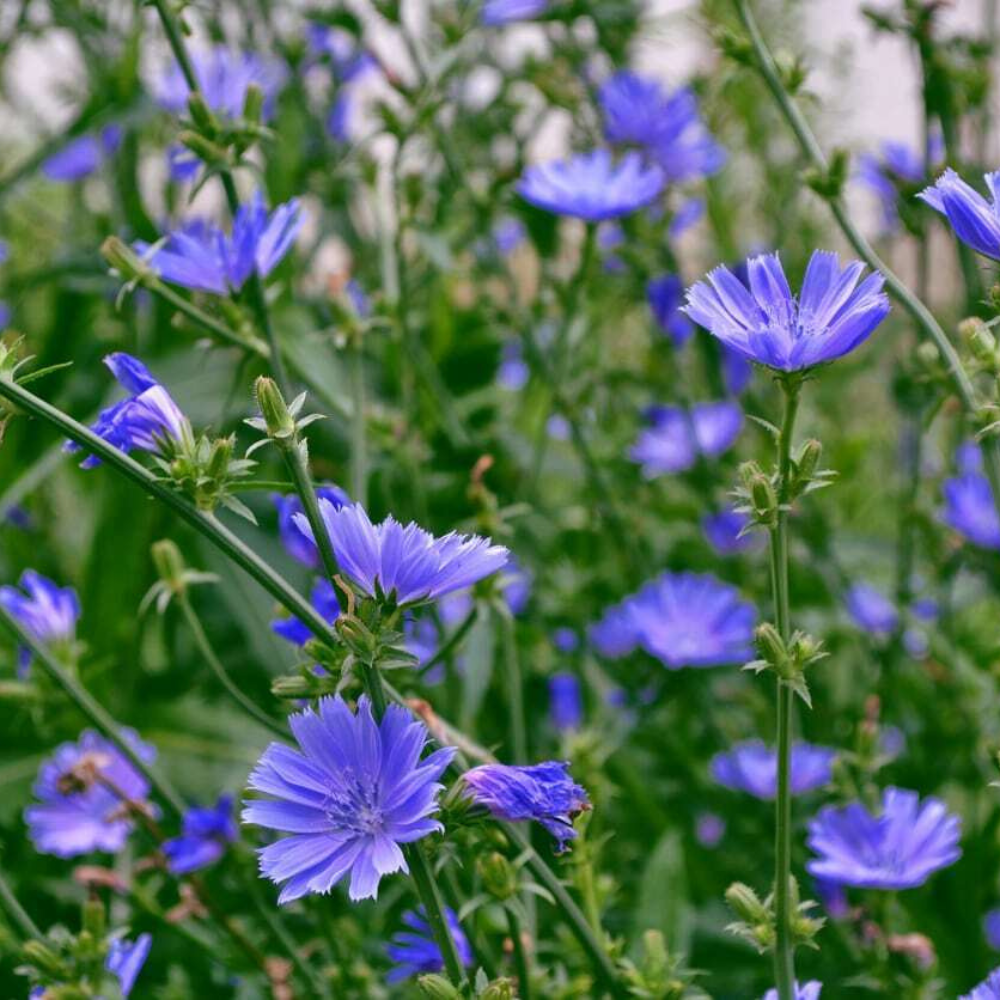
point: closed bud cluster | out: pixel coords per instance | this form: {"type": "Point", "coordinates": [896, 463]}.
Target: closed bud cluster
{"type": "Point", "coordinates": [437, 987]}
{"type": "Point", "coordinates": [756, 919]}
{"type": "Point", "coordinates": [498, 875]}
{"type": "Point", "coordinates": [278, 421]}
{"type": "Point", "coordinates": [981, 342]}
{"type": "Point", "coordinates": [805, 475]}
{"type": "Point", "coordinates": [499, 989]}
{"type": "Point", "coordinates": [759, 493]}
{"type": "Point", "coordinates": [205, 469]}
{"type": "Point", "coordinates": [788, 660]}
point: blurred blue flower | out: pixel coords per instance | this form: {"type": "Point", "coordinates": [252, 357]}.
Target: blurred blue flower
{"type": "Point", "coordinates": [991, 928]}
{"type": "Point", "coordinates": [736, 370]}
{"type": "Point", "coordinates": [201, 257]}
{"type": "Point", "coordinates": [767, 324]}
{"type": "Point", "coordinates": [182, 164]}
{"type": "Point", "coordinates": [508, 234]}
{"type": "Point", "coordinates": [686, 216]}
{"type": "Point", "coordinates": [49, 613]}
{"type": "Point", "coordinates": [80, 157]}
{"type": "Point", "coordinates": [676, 437]}
{"type": "Point", "coordinates": [898, 849]}
{"type": "Point", "coordinates": [988, 989]}
{"type": "Point", "coordinates": [516, 584]}
{"type": "Point", "coordinates": [896, 161]}
{"type": "Point", "coordinates": [969, 509]}
{"type": "Point", "coordinates": [592, 186]}
{"type": "Point", "coordinates": [614, 636]}
{"type": "Point", "coordinates": [709, 829]}
{"type": "Point", "coordinates": [542, 792]}
{"type": "Point", "coordinates": [347, 58]}
{"type": "Point", "coordinates": [565, 639]}
{"type": "Point", "coordinates": [5, 315]}
{"type": "Point", "coordinates": [753, 767]}
{"type": "Point", "coordinates": [975, 220]}
{"type": "Point", "coordinates": [610, 236]}
{"type": "Point", "coordinates": [723, 532]}
{"type": "Point", "coordinates": [404, 563]}
{"type": "Point", "coordinates": [415, 951]}
{"type": "Point", "coordinates": [297, 543]}
{"type": "Point", "coordinates": [565, 701]}
{"type": "Point", "coordinates": [834, 898]}
{"type": "Point", "coordinates": [495, 13]}
{"type": "Point", "coordinates": [356, 791]}
{"type": "Point", "coordinates": [558, 428]}
{"type": "Point", "coordinates": [324, 599]}
{"type": "Point", "coordinates": [808, 991]}
{"type": "Point", "coordinates": [77, 813]}
{"type": "Point", "coordinates": [513, 373]}
{"type": "Point", "coordinates": [871, 610]}
{"type": "Point", "coordinates": [125, 960]}
{"type": "Point", "coordinates": [206, 832]}
{"type": "Point", "coordinates": [666, 296]}
{"type": "Point", "coordinates": [637, 110]}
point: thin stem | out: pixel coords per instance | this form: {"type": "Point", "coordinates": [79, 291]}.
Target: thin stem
{"type": "Point", "coordinates": [17, 912]}
{"type": "Point", "coordinates": [359, 435]}
{"type": "Point", "coordinates": [258, 304]}
{"type": "Point", "coordinates": [514, 684]}
{"type": "Point", "coordinates": [452, 642]}
{"type": "Point", "coordinates": [209, 655]}
{"type": "Point", "coordinates": [520, 955]}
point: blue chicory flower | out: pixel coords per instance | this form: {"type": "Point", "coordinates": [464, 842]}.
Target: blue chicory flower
{"type": "Point", "coordinates": [988, 989]}
{"type": "Point", "coordinates": [404, 563]}
{"type": "Point", "coordinates": [592, 186]}
{"type": "Point", "coordinates": [47, 612]}
{"type": "Point", "coordinates": [991, 928]}
{"type": "Point", "coordinates": [565, 639]}
{"type": "Point", "coordinates": [324, 599]}
{"type": "Point", "coordinates": [515, 585]}
{"type": "Point", "coordinates": [297, 543]}
{"type": "Point", "coordinates": [565, 702]}
{"type": "Point", "coordinates": [415, 951]}
{"type": "Point", "coordinates": [970, 510]}
{"type": "Point", "coordinates": [676, 437]}
{"type": "Point", "coordinates": [75, 812]}
{"type": "Point", "coordinates": [355, 791]}
{"type": "Point", "coordinates": [80, 157]}
{"type": "Point", "coordinates": [726, 532]}
{"type": "Point", "coordinates": [513, 372]}
{"type": "Point", "coordinates": [871, 610]}
{"type": "Point", "coordinates": [898, 849]}
{"type": "Point", "coordinates": [895, 162]}
{"type": "Point", "coordinates": [666, 296]}
{"type": "Point", "coordinates": [833, 896]}
{"type": "Point", "coordinates": [766, 323]}
{"type": "Point", "coordinates": [736, 370]}
{"type": "Point", "coordinates": [125, 960]}
{"type": "Point", "coordinates": [614, 636]}
{"type": "Point", "coordinates": [496, 13]}
{"type": "Point", "coordinates": [753, 767]}
{"type": "Point", "coordinates": [508, 234]}
{"type": "Point", "coordinates": [558, 428]}
{"type": "Point", "coordinates": [808, 991]}
{"type": "Point", "coordinates": [200, 256]}
{"type": "Point", "coordinates": [541, 792]}
{"type": "Point", "coordinates": [206, 832]}
{"type": "Point", "coordinates": [6, 314]}
{"type": "Point", "coordinates": [975, 220]}
{"type": "Point", "coordinates": [685, 217]}
{"type": "Point", "coordinates": [709, 829]}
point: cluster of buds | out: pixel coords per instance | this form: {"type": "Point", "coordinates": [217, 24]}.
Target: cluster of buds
{"type": "Point", "coordinates": [788, 660]}
{"type": "Point", "coordinates": [761, 495]}
{"type": "Point", "coordinates": [659, 974]}
{"type": "Point", "coordinates": [11, 363]}
{"type": "Point", "coordinates": [756, 921]}
{"type": "Point", "coordinates": [437, 987]}
{"type": "Point", "coordinates": [223, 145]}
{"type": "Point", "coordinates": [174, 576]}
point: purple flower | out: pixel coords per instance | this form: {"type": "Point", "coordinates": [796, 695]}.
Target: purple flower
{"type": "Point", "coordinates": [182, 164]}
{"type": "Point", "coordinates": [614, 636]}
{"type": "Point", "coordinates": [404, 563]}
{"type": "Point", "coordinates": [975, 220]}
{"type": "Point", "coordinates": [201, 257]}
{"type": "Point", "coordinates": [76, 812]}
{"type": "Point", "coordinates": [558, 428]}
{"type": "Point", "coordinates": [340, 47]}
{"type": "Point", "coordinates": [224, 77]}
{"type": "Point", "coordinates": [668, 126]}
{"type": "Point", "coordinates": [324, 600]}
{"type": "Point", "coordinates": [415, 951]}
{"type": "Point", "coordinates": [896, 162]}
{"type": "Point", "coordinates": [991, 928]}
{"type": "Point", "coordinates": [752, 767]}
{"type": "Point", "coordinates": [969, 509]}
{"type": "Point", "coordinates": [206, 833]}
{"type": "Point", "coordinates": [898, 849]}
{"type": "Point", "coordinates": [666, 296]}
{"type": "Point", "coordinates": [47, 612]}
{"type": "Point", "coordinates": [565, 639]}
{"type": "Point", "coordinates": [542, 792]}
{"type": "Point", "coordinates": [871, 610]}
{"type": "Point", "coordinates": [834, 898]}
{"type": "Point", "coordinates": [736, 371]}
{"type": "Point", "coordinates": [809, 991]}
{"type": "Point", "coordinates": [5, 315]}
{"type": "Point", "coordinates": [592, 186]}
{"type": "Point", "coordinates": [299, 545]}
{"type": "Point", "coordinates": [125, 960]}
{"type": "Point", "coordinates": [513, 373]}
{"type": "Point", "coordinates": [767, 324]}
{"type": "Point", "coordinates": [988, 989]}
{"type": "Point", "coordinates": [145, 421]}
{"type": "Point", "coordinates": [676, 437]}
{"type": "Point", "coordinates": [508, 234]}
{"type": "Point", "coordinates": [356, 791]}
{"type": "Point", "coordinates": [686, 216]}
{"type": "Point", "coordinates": [515, 585]}
{"type": "Point", "coordinates": [565, 701]}
{"type": "Point", "coordinates": [80, 157]}
{"type": "Point", "coordinates": [726, 532]}
{"type": "Point", "coordinates": [709, 829]}
{"type": "Point", "coordinates": [495, 13]}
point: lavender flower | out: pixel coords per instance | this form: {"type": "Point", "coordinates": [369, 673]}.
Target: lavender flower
{"type": "Point", "coordinates": [882, 173]}
{"type": "Point", "coordinates": [415, 951]}
{"type": "Point", "coordinates": [508, 234]}
{"type": "Point", "coordinates": [355, 792]}
{"type": "Point", "coordinates": [592, 186]}
{"type": "Point", "coordinates": [736, 371]}
{"type": "Point", "coordinates": [125, 960]}
{"type": "Point", "coordinates": [676, 437]}
{"type": "Point", "coordinates": [513, 373]}
{"type": "Point", "coordinates": [898, 849]}
{"type": "Point", "coordinates": [207, 831]}
{"type": "Point", "coordinates": [975, 220]}
{"type": "Point", "coordinates": [542, 792]}
{"type": "Point", "coordinates": [324, 599]}
{"type": "Point", "coordinates": [709, 829]}
{"type": "Point", "coordinates": [297, 543]}
{"type": "Point", "coordinates": [752, 767]}
{"type": "Point", "coordinates": [871, 610]}
{"type": "Point", "coordinates": [767, 324]}
{"type": "Point", "coordinates": [495, 13]}
{"type": "Point", "coordinates": [666, 296]}
{"type": "Point", "coordinates": [834, 898]}
{"type": "Point", "coordinates": [80, 157]}
{"type": "Point", "coordinates": [565, 702]}
{"type": "Point", "coordinates": [47, 612]}
{"type": "Point", "coordinates": [988, 989]}
{"type": "Point", "coordinates": [565, 639]}
{"type": "Point", "coordinates": [614, 636]}
{"type": "Point", "coordinates": [515, 585]}
{"type": "Point", "coordinates": [77, 812]}
{"type": "Point", "coordinates": [201, 257]}
{"type": "Point", "coordinates": [685, 217]}
{"type": "Point", "coordinates": [405, 564]}
{"type": "Point", "coordinates": [809, 991]}
{"type": "Point", "coordinates": [991, 928]}
{"type": "Point", "coordinates": [969, 509]}
{"type": "Point", "coordinates": [724, 531]}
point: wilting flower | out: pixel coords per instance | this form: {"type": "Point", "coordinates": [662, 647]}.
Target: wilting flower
{"type": "Point", "coordinates": [200, 256]}
{"type": "Point", "coordinates": [565, 702]}
{"type": "Point", "coordinates": [975, 220]}
{"type": "Point", "coordinates": [324, 599]}
{"type": "Point", "coordinates": [991, 928]}
{"type": "Point", "coordinates": [297, 543]}
{"type": "Point", "coordinates": [988, 989]}
{"type": "Point", "coordinates": [407, 563]}
{"type": "Point", "coordinates": [767, 324]}
{"type": "Point", "coordinates": [752, 767]}
{"type": "Point", "coordinates": [145, 420]}
{"type": "Point", "coordinates": [47, 612]}
{"type": "Point", "coordinates": [495, 13]}
{"type": "Point", "coordinates": [726, 532]}
{"type": "Point", "coordinates": [896, 162]}
{"type": "Point", "coordinates": [542, 792]}
{"type": "Point", "coordinates": [666, 296]}
{"type": "Point", "coordinates": [206, 833]}
{"type": "Point", "coordinates": [676, 437]}
{"type": "Point", "coordinates": [638, 111]}
{"type": "Point", "coordinates": [355, 792]}
{"type": "Point", "coordinates": [898, 849]}
{"type": "Point", "coordinates": [78, 811]}
{"type": "Point", "coordinates": [809, 991]}
{"type": "Point", "coordinates": [592, 186]}
{"type": "Point", "coordinates": [224, 77]}
{"type": "Point", "coordinates": [125, 960]}
{"type": "Point", "coordinates": [871, 610]}
{"type": "Point", "coordinates": [80, 157]}
{"type": "Point", "coordinates": [970, 510]}
{"type": "Point", "coordinates": [614, 636]}
{"type": "Point", "coordinates": [415, 951]}
{"type": "Point", "coordinates": [709, 829]}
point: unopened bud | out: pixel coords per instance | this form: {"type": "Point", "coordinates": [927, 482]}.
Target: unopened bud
{"type": "Point", "coordinates": [124, 260]}
{"type": "Point", "coordinates": [42, 956]}
{"type": "Point", "coordinates": [499, 989]}
{"type": "Point", "coordinates": [290, 687]}
{"type": "Point", "coordinates": [928, 354]}
{"type": "Point", "coordinates": [280, 423]}
{"type": "Point", "coordinates": [436, 987]}
{"type": "Point", "coordinates": [203, 148]}
{"type": "Point", "coordinates": [808, 460]}
{"type": "Point", "coordinates": [169, 564]}
{"type": "Point", "coordinates": [770, 645]}
{"type": "Point", "coordinates": [217, 467]}
{"type": "Point", "coordinates": [202, 115]}
{"type": "Point", "coordinates": [253, 104]}
{"type": "Point", "coordinates": [746, 904]}
{"type": "Point", "coordinates": [94, 918]}
{"type": "Point", "coordinates": [498, 875]}
{"type": "Point", "coordinates": [981, 341]}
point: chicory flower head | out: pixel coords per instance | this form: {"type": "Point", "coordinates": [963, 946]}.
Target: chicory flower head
{"type": "Point", "coordinates": [77, 810]}
{"type": "Point", "coordinates": [753, 767]}
{"type": "Point", "coordinates": [871, 610]}
{"type": "Point", "coordinates": [80, 157]}
{"type": "Point", "coordinates": [988, 989]}
{"type": "Point", "coordinates": [565, 702]}
{"type": "Point", "coordinates": [495, 13]}
{"type": "Point", "coordinates": [766, 323]}
{"type": "Point", "coordinates": [614, 636]}
{"type": "Point", "coordinates": [970, 510]}
{"type": "Point", "coordinates": [666, 296]}
{"type": "Point", "coordinates": [726, 532]}
{"type": "Point", "coordinates": [592, 186]}
{"type": "Point", "coordinates": [542, 792]}
{"type": "Point", "coordinates": [898, 849]}
{"type": "Point", "coordinates": [975, 220]}
{"type": "Point", "coordinates": [808, 991]}
{"type": "Point", "coordinates": [297, 543]}
{"type": "Point", "coordinates": [404, 563]}
{"type": "Point", "coordinates": [895, 162]}
{"type": "Point", "coordinates": [206, 832]}
{"type": "Point", "coordinates": [676, 437]}
{"type": "Point", "coordinates": [353, 793]}
{"type": "Point", "coordinates": [415, 951]}
{"type": "Point", "coordinates": [47, 612]}
{"type": "Point", "coordinates": [200, 256]}
{"type": "Point", "coordinates": [324, 599]}
{"type": "Point", "coordinates": [125, 960]}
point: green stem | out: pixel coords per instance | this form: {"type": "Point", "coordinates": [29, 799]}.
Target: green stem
{"type": "Point", "coordinates": [209, 655]}
{"type": "Point", "coordinates": [17, 912]}
{"type": "Point", "coordinates": [520, 955]}
{"type": "Point", "coordinates": [258, 303]}
{"type": "Point", "coordinates": [359, 442]}
{"type": "Point", "coordinates": [451, 643]}
{"type": "Point", "coordinates": [513, 683]}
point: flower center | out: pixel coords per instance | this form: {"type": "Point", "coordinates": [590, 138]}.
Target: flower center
{"type": "Point", "coordinates": [355, 806]}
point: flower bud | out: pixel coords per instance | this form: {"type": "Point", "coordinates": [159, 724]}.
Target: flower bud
{"type": "Point", "coordinates": [280, 423]}
{"type": "Point", "coordinates": [169, 564]}
{"type": "Point", "coordinates": [202, 115]}
{"type": "Point", "coordinates": [436, 987]}
{"type": "Point", "coordinates": [217, 466]}
{"type": "Point", "coordinates": [203, 148]}
{"type": "Point", "coordinates": [746, 904]}
{"type": "Point", "coordinates": [124, 260]}
{"type": "Point", "coordinates": [980, 339]}
{"type": "Point", "coordinates": [253, 104]}
{"type": "Point", "coordinates": [498, 875]}
{"type": "Point", "coordinates": [94, 918]}
{"type": "Point", "coordinates": [499, 989]}
{"type": "Point", "coordinates": [43, 957]}
{"type": "Point", "coordinates": [809, 456]}
{"type": "Point", "coordinates": [290, 686]}
{"type": "Point", "coordinates": [771, 646]}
